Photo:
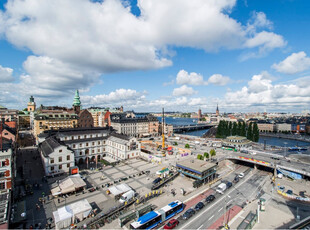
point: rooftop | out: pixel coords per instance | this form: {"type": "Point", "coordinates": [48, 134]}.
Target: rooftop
{"type": "Point", "coordinates": [49, 145]}
{"type": "Point", "coordinates": [196, 165]}
{"type": "Point", "coordinates": [236, 138]}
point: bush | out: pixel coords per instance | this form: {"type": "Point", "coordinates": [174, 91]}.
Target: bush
{"type": "Point", "coordinates": [199, 157]}
{"type": "Point", "coordinates": [105, 162]}
{"type": "Point", "coordinates": [187, 146]}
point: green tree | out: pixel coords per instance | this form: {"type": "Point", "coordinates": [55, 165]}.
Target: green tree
{"type": "Point", "coordinates": [187, 146]}
{"type": "Point", "coordinates": [175, 143]}
{"type": "Point", "coordinates": [199, 157]}
{"type": "Point", "coordinates": [234, 129]}
{"type": "Point", "coordinates": [206, 155]}
{"type": "Point", "coordinates": [243, 129]}
{"type": "Point", "coordinates": [230, 127]}
{"type": "Point", "coordinates": [255, 137]}
{"type": "Point", "coordinates": [219, 131]}
{"type": "Point", "coordinates": [249, 135]}
{"type": "Point", "coordinates": [212, 152]}
{"type": "Point", "coordinates": [239, 128]}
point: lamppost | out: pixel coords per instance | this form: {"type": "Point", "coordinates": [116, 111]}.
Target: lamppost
{"type": "Point", "coordinates": [285, 143]}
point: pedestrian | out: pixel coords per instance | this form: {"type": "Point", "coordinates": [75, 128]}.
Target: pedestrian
{"type": "Point", "coordinates": [58, 200]}
{"type": "Point", "coordinates": [46, 226]}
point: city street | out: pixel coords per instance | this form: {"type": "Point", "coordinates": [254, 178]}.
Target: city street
{"type": "Point", "coordinates": [245, 190]}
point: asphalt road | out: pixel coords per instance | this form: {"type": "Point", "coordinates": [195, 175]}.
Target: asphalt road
{"type": "Point", "coordinates": [245, 190]}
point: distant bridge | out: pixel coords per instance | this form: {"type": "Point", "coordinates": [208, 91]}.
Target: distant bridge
{"type": "Point", "coordinates": [193, 127]}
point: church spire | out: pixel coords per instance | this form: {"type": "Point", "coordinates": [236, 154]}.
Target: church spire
{"type": "Point", "coordinates": [217, 110]}
{"type": "Point", "coordinates": [76, 100]}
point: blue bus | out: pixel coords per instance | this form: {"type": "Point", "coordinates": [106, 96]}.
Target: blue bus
{"type": "Point", "coordinates": [153, 218]}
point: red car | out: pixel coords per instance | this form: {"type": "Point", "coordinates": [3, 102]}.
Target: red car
{"type": "Point", "coordinates": [171, 224]}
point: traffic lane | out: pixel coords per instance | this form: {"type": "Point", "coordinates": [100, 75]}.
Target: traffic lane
{"type": "Point", "coordinates": [213, 211]}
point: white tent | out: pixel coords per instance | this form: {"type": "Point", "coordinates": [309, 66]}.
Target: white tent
{"type": "Point", "coordinates": [63, 217]}
{"type": "Point", "coordinates": [69, 184]}
{"type": "Point", "coordinates": [119, 189]}
{"type": "Point", "coordinates": [81, 209]}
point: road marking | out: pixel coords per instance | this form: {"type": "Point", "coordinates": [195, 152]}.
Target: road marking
{"type": "Point", "coordinates": [200, 227]}
{"type": "Point", "coordinates": [211, 217]}
{"type": "Point", "coordinates": [220, 209]}
{"type": "Point", "coordinates": [229, 201]}
{"type": "Point", "coordinates": [217, 201]}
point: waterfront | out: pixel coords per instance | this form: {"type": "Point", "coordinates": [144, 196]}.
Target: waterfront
{"type": "Point", "coordinates": [273, 141]}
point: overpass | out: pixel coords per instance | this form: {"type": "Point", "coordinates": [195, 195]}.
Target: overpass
{"type": "Point", "coordinates": [193, 127]}
{"type": "Point", "coordinates": [270, 161]}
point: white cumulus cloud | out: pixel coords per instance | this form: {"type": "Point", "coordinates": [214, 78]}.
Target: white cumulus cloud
{"type": "Point", "coordinates": [183, 77]}
{"type": "Point", "coordinates": [6, 74]}
{"type": "Point", "coordinates": [295, 63]}
{"type": "Point", "coordinates": [184, 90]}
{"type": "Point", "coordinates": [218, 79]}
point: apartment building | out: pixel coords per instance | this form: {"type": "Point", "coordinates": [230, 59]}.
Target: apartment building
{"type": "Point", "coordinates": [5, 181]}
{"type": "Point", "coordinates": [87, 145]}
{"type": "Point", "coordinates": [51, 121]}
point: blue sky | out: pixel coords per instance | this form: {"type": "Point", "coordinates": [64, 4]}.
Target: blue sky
{"type": "Point", "coordinates": [247, 56]}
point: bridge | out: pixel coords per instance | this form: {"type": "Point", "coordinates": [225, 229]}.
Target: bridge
{"type": "Point", "coordinates": [272, 161]}
{"type": "Point", "coordinates": [193, 127]}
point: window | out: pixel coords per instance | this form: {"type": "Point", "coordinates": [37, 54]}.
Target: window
{"type": "Point", "coordinates": [52, 168]}
{"type": "Point", "coordinates": [40, 123]}
{"type": "Point", "coordinates": [85, 136]}
{"type": "Point", "coordinates": [92, 151]}
{"type": "Point", "coordinates": [73, 146]}
{"type": "Point", "coordinates": [2, 185]}
{"type": "Point", "coordinates": [2, 174]}
{"type": "Point", "coordinates": [68, 157]}
{"type": "Point", "coordinates": [86, 144]}
{"type": "Point", "coordinates": [60, 159]}
{"type": "Point", "coordinates": [60, 150]}
{"type": "Point", "coordinates": [91, 136]}
{"type": "Point", "coordinates": [68, 165]}
{"type": "Point", "coordinates": [98, 142]}
{"type": "Point", "coordinates": [2, 163]}
{"type": "Point", "coordinates": [93, 143]}
{"type": "Point", "coordinates": [72, 137]}
{"type": "Point", "coordinates": [60, 167]}
{"type": "Point", "coordinates": [98, 150]}
{"type": "Point", "coordinates": [5, 134]}
{"type": "Point", "coordinates": [81, 153]}
{"type": "Point", "coordinates": [79, 137]}
{"type": "Point", "coordinates": [65, 138]}
{"type": "Point", "coordinates": [80, 144]}
{"type": "Point", "coordinates": [52, 160]}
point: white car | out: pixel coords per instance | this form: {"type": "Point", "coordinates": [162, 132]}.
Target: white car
{"type": "Point", "coordinates": [241, 175]}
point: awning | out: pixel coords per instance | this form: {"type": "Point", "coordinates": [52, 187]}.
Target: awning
{"type": "Point", "coordinates": [119, 189]}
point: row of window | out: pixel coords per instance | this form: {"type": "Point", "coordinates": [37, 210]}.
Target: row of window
{"type": "Point", "coordinates": [88, 144]}
{"type": "Point", "coordinates": [59, 158]}
{"type": "Point", "coordinates": [84, 136]}
{"type": "Point", "coordinates": [53, 168]}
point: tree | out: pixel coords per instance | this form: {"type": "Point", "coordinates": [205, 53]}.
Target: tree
{"type": "Point", "coordinates": [199, 157]}
{"type": "Point", "coordinates": [212, 152]}
{"type": "Point", "coordinates": [219, 131]}
{"type": "Point", "coordinates": [206, 155]}
{"type": "Point", "coordinates": [187, 146]}
{"type": "Point", "coordinates": [249, 135]}
{"type": "Point", "coordinates": [239, 128]}
{"type": "Point", "coordinates": [243, 129]}
{"type": "Point", "coordinates": [234, 129]}
{"type": "Point", "coordinates": [255, 137]}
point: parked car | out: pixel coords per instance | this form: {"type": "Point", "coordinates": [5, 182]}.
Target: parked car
{"type": "Point", "coordinates": [188, 214]}
{"type": "Point", "coordinates": [241, 175]}
{"type": "Point", "coordinates": [199, 206]}
{"type": "Point", "coordinates": [171, 224]}
{"type": "Point", "coordinates": [157, 180]}
{"type": "Point", "coordinates": [210, 198]}
{"type": "Point", "coordinates": [228, 184]}
{"type": "Point", "coordinates": [290, 192]}
{"type": "Point", "coordinates": [236, 180]}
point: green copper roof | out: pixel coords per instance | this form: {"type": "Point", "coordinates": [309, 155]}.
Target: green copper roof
{"type": "Point", "coordinates": [76, 100]}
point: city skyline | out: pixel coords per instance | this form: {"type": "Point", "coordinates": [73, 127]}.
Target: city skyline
{"type": "Point", "coordinates": [246, 56]}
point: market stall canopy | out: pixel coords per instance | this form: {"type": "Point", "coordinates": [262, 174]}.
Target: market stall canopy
{"type": "Point", "coordinates": [69, 184]}
{"type": "Point", "coordinates": [81, 209]}
{"type": "Point", "coordinates": [119, 189]}
{"type": "Point", "coordinates": [63, 217]}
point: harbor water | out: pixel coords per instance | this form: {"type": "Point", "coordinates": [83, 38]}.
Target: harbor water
{"type": "Point", "coordinates": [273, 141]}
